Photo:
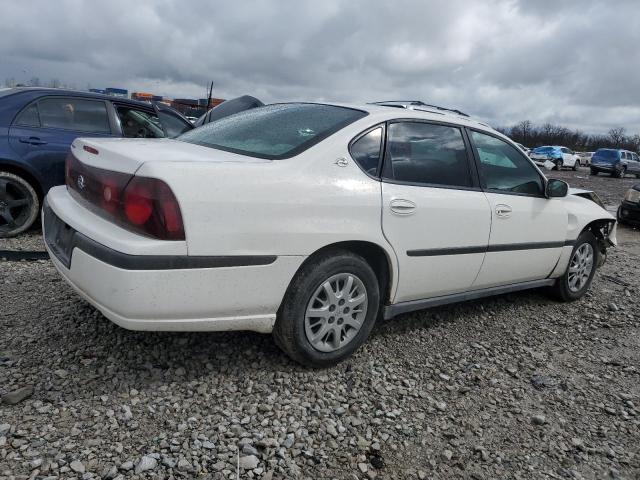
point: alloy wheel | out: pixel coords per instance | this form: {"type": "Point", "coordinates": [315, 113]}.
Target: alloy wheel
{"type": "Point", "coordinates": [580, 267]}
{"type": "Point", "coordinates": [14, 205]}
{"type": "Point", "coordinates": [336, 312]}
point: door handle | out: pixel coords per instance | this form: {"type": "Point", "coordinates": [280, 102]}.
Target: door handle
{"type": "Point", "coordinates": [503, 211]}
{"type": "Point", "coordinates": [32, 140]}
{"type": "Point", "coordinates": [401, 206]}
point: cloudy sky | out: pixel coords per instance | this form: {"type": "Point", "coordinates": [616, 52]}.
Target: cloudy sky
{"type": "Point", "coordinates": [570, 62]}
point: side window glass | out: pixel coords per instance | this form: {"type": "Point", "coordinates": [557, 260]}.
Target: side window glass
{"type": "Point", "coordinates": [139, 123]}
{"type": "Point", "coordinates": [74, 114]}
{"type": "Point", "coordinates": [635, 157]}
{"type": "Point", "coordinates": [29, 117]}
{"type": "Point", "coordinates": [172, 124]}
{"type": "Point", "coordinates": [366, 151]}
{"type": "Point", "coordinates": [504, 168]}
{"type": "Point", "coordinates": [429, 154]}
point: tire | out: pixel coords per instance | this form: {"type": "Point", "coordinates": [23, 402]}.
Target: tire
{"type": "Point", "coordinates": [19, 205]}
{"type": "Point", "coordinates": [619, 173]}
{"type": "Point", "coordinates": [575, 166]}
{"type": "Point", "coordinates": [293, 329]}
{"type": "Point", "coordinates": [566, 289]}
{"type": "Point", "coordinates": [594, 171]}
{"type": "Point", "coordinates": [559, 164]}
{"type": "Point", "coordinates": [619, 218]}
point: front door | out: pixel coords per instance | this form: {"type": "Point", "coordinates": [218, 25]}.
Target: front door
{"type": "Point", "coordinates": [528, 231]}
{"type": "Point", "coordinates": [43, 132]}
{"type": "Point", "coordinates": [433, 212]}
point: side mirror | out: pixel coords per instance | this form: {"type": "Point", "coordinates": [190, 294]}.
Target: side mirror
{"type": "Point", "coordinates": [556, 188]}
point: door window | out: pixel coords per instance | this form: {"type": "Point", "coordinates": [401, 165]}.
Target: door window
{"type": "Point", "coordinates": [426, 153]}
{"type": "Point", "coordinates": [504, 168]}
{"type": "Point", "coordinates": [29, 117]}
{"type": "Point", "coordinates": [74, 114]}
{"type": "Point", "coordinates": [635, 157]}
{"type": "Point", "coordinates": [173, 125]}
{"type": "Point", "coordinates": [138, 123]}
{"type": "Point", "coordinates": [366, 151]}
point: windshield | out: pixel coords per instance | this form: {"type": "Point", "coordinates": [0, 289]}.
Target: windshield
{"type": "Point", "coordinates": [274, 131]}
{"type": "Point", "coordinates": [606, 153]}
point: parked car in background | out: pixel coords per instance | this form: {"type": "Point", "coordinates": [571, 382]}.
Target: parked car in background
{"type": "Point", "coordinates": [615, 162]}
{"type": "Point", "coordinates": [629, 209]}
{"type": "Point", "coordinates": [560, 156]}
{"type": "Point", "coordinates": [37, 127]}
{"type": "Point", "coordinates": [311, 221]}
{"type": "Point", "coordinates": [585, 158]}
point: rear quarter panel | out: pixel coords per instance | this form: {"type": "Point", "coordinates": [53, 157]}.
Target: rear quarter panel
{"type": "Point", "coordinates": [281, 207]}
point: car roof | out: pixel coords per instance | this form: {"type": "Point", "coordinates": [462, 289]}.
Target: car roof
{"type": "Point", "coordinates": [387, 112]}
{"type": "Point", "coordinates": [80, 93]}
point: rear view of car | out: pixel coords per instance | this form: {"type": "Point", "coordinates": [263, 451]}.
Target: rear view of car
{"type": "Point", "coordinates": [629, 210]}
{"type": "Point", "coordinates": [617, 163]}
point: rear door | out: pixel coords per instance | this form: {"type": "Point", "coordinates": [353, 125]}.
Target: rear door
{"type": "Point", "coordinates": [528, 231]}
{"type": "Point", "coordinates": [433, 212]}
{"type": "Point", "coordinates": [44, 130]}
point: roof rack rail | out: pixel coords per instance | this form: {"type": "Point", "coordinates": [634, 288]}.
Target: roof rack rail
{"type": "Point", "coordinates": [415, 103]}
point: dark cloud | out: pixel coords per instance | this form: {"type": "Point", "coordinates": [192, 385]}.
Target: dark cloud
{"type": "Point", "coordinates": [573, 62]}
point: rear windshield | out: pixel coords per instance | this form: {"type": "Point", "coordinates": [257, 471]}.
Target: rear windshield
{"type": "Point", "coordinates": [274, 131]}
{"type": "Point", "coordinates": [606, 153]}
{"type": "Point", "coordinates": [543, 150]}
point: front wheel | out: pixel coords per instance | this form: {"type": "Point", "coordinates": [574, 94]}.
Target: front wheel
{"type": "Point", "coordinates": [582, 267]}
{"type": "Point", "coordinates": [19, 205]}
{"type": "Point", "coordinates": [576, 165]}
{"type": "Point", "coordinates": [559, 163]}
{"type": "Point", "coordinates": [329, 309]}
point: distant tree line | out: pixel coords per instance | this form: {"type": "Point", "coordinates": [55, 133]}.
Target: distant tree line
{"type": "Point", "coordinates": [531, 135]}
{"type": "Point", "coordinates": [11, 82]}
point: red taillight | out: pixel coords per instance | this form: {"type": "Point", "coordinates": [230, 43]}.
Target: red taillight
{"type": "Point", "coordinates": [145, 205]}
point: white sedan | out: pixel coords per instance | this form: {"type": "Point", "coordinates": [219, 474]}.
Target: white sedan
{"type": "Point", "coordinates": [559, 156]}
{"type": "Point", "coordinates": [313, 221]}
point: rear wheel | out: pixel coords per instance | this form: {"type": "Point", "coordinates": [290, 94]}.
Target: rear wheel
{"type": "Point", "coordinates": [619, 173]}
{"type": "Point", "coordinates": [19, 205]}
{"type": "Point", "coordinates": [582, 267]}
{"type": "Point", "coordinates": [594, 171]}
{"type": "Point", "coordinates": [329, 309]}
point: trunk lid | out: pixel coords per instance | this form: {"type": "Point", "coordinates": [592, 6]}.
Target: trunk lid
{"type": "Point", "coordinates": [126, 155]}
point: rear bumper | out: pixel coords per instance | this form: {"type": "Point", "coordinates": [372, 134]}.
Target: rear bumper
{"type": "Point", "coordinates": [171, 292]}
{"type": "Point", "coordinates": [604, 167]}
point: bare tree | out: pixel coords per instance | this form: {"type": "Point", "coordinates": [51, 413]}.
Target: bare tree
{"type": "Point", "coordinates": [617, 136]}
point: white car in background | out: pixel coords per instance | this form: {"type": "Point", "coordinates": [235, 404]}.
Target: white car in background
{"type": "Point", "coordinates": [585, 158]}
{"type": "Point", "coordinates": [312, 221]}
{"type": "Point", "coordinates": [559, 156]}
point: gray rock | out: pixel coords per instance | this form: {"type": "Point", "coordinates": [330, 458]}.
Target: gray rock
{"type": "Point", "coordinates": [4, 429]}
{"type": "Point", "coordinates": [77, 466]}
{"type": "Point", "coordinates": [538, 419]}
{"type": "Point", "coordinates": [16, 396]}
{"type": "Point", "coordinates": [146, 463]}
{"type": "Point", "coordinates": [249, 462]}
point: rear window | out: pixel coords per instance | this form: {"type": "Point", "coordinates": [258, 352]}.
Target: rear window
{"type": "Point", "coordinates": [274, 131]}
{"type": "Point", "coordinates": [606, 153]}
{"type": "Point", "coordinates": [543, 150]}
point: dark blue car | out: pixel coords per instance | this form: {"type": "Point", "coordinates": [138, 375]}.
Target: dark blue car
{"type": "Point", "coordinates": [37, 127]}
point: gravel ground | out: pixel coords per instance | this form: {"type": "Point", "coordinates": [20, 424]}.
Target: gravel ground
{"type": "Point", "coordinates": [517, 386]}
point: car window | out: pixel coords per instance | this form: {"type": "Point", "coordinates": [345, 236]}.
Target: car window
{"type": "Point", "coordinates": [74, 114]}
{"type": "Point", "coordinates": [29, 117]}
{"type": "Point", "coordinates": [138, 123]}
{"type": "Point", "coordinates": [428, 154]}
{"type": "Point", "coordinates": [366, 151]}
{"type": "Point", "coordinates": [635, 157]}
{"type": "Point", "coordinates": [274, 131]}
{"type": "Point", "coordinates": [173, 125]}
{"type": "Point", "coordinates": [504, 168]}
